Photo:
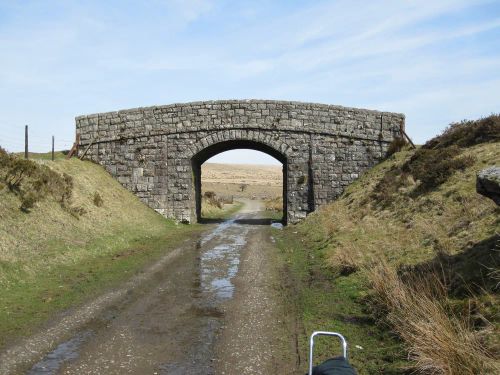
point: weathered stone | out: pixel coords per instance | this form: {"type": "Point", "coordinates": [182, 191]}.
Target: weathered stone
{"type": "Point", "coordinates": [488, 183]}
{"type": "Point", "coordinates": [158, 151]}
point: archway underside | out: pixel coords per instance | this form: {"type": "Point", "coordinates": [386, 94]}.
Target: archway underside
{"type": "Point", "coordinates": [212, 150]}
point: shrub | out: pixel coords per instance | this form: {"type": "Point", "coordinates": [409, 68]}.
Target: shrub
{"type": "Point", "coordinates": [217, 203]}
{"type": "Point", "coordinates": [76, 211]}
{"type": "Point", "coordinates": [210, 198]}
{"type": "Point", "coordinates": [28, 200]}
{"type": "Point", "coordinates": [33, 182]}
{"type": "Point", "coordinates": [209, 194]}
{"type": "Point", "coordinates": [66, 189]}
{"type": "Point", "coordinates": [468, 133]}
{"type": "Point", "coordinates": [97, 199]}
{"type": "Point", "coordinates": [274, 204]}
{"type": "Point", "coordinates": [432, 167]}
{"type": "Point", "coordinates": [388, 186]}
{"type": "Point", "coordinates": [4, 157]}
{"type": "Point", "coordinates": [396, 145]}
{"type": "Point", "coordinates": [17, 170]}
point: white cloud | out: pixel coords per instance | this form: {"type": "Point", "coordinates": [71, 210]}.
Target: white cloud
{"type": "Point", "coordinates": [394, 55]}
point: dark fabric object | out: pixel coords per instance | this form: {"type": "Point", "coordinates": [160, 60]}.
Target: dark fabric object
{"type": "Point", "coordinates": [334, 366]}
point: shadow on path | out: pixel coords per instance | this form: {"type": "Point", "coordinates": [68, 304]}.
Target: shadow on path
{"type": "Point", "coordinates": [246, 221]}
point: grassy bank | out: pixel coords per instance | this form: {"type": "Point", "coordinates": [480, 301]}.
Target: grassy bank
{"type": "Point", "coordinates": [59, 252]}
{"type": "Point", "coordinates": [274, 208]}
{"type": "Point", "coordinates": [324, 300]}
{"type": "Point", "coordinates": [406, 262]}
{"type": "Point", "coordinates": [212, 208]}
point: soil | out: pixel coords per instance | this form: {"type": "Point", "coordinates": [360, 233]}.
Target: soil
{"type": "Point", "coordinates": [213, 306]}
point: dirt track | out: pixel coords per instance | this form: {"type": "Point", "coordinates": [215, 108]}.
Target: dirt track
{"type": "Point", "coordinates": [254, 339]}
{"type": "Point", "coordinates": [213, 308]}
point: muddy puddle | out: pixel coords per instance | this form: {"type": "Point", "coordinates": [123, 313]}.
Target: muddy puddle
{"type": "Point", "coordinates": [220, 258]}
{"type": "Point", "coordinates": [64, 352]}
{"type": "Point", "coordinates": [218, 262]}
{"type": "Point", "coordinates": [170, 326]}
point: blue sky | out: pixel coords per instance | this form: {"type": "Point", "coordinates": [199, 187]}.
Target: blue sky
{"type": "Point", "coordinates": [435, 61]}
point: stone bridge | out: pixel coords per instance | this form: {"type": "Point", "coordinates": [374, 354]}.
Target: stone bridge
{"type": "Point", "coordinates": [157, 152]}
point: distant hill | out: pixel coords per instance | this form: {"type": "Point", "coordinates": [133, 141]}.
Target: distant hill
{"type": "Point", "coordinates": [243, 173]}
{"type": "Point", "coordinates": [243, 180]}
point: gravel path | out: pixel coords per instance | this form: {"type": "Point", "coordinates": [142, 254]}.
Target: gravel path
{"type": "Point", "coordinates": [212, 306]}
{"type": "Point", "coordinates": [255, 339]}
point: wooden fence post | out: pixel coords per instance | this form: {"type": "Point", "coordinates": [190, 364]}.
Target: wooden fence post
{"type": "Point", "coordinates": [26, 141]}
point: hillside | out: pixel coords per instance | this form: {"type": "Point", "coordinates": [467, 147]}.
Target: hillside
{"type": "Point", "coordinates": [68, 230]}
{"type": "Point", "coordinates": [243, 180]}
{"type": "Point", "coordinates": [255, 174]}
{"type": "Point", "coordinates": [406, 262]}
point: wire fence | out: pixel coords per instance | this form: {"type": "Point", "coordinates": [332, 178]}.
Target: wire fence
{"type": "Point", "coordinates": [14, 140]}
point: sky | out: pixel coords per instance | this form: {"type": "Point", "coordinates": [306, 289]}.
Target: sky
{"type": "Point", "coordinates": [435, 61]}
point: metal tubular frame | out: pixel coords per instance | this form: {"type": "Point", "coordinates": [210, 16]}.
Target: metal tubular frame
{"type": "Point", "coordinates": [325, 333]}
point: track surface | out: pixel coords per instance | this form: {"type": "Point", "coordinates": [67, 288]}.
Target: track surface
{"type": "Point", "coordinates": [211, 308]}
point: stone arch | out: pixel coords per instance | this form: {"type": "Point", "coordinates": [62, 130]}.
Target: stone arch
{"type": "Point", "coordinates": [150, 150]}
{"type": "Point", "coordinates": [206, 152]}
{"type": "Point", "coordinates": [273, 142]}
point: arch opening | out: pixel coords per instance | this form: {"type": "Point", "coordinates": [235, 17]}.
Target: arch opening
{"type": "Point", "coordinates": [264, 190]}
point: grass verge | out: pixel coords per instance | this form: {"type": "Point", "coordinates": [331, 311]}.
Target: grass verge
{"type": "Point", "coordinates": [212, 212]}
{"type": "Point", "coordinates": [406, 262]}
{"type": "Point", "coordinates": [324, 300]}
{"type": "Point", "coordinates": [30, 300]}
{"type": "Point", "coordinates": [52, 257]}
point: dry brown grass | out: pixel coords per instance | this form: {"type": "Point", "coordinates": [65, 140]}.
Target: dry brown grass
{"type": "Point", "coordinates": [274, 204]}
{"type": "Point", "coordinates": [438, 341]}
{"type": "Point", "coordinates": [345, 262]}
{"type": "Point", "coordinates": [251, 174]}
{"type": "Point", "coordinates": [214, 206]}
{"type": "Point", "coordinates": [226, 180]}
{"type": "Point", "coordinates": [449, 230]}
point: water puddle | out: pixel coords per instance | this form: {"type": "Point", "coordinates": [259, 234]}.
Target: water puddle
{"type": "Point", "coordinates": [217, 231]}
{"type": "Point", "coordinates": [218, 263]}
{"type": "Point", "coordinates": [64, 352]}
{"type": "Point", "coordinates": [219, 260]}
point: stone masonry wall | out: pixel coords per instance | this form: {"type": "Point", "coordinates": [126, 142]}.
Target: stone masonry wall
{"type": "Point", "coordinates": [151, 150]}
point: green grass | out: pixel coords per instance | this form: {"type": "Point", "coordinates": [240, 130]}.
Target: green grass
{"type": "Point", "coordinates": [58, 155]}
{"type": "Point", "coordinates": [450, 228]}
{"type": "Point", "coordinates": [30, 300]}
{"type": "Point", "coordinates": [326, 301]}
{"type": "Point", "coordinates": [51, 260]}
{"type": "Point", "coordinates": [273, 215]}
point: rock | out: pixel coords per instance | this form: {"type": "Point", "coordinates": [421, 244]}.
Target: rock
{"type": "Point", "coordinates": [488, 183]}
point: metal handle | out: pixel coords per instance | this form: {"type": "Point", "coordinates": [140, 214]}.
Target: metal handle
{"type": "Point", "coordinates": [324, 333]}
